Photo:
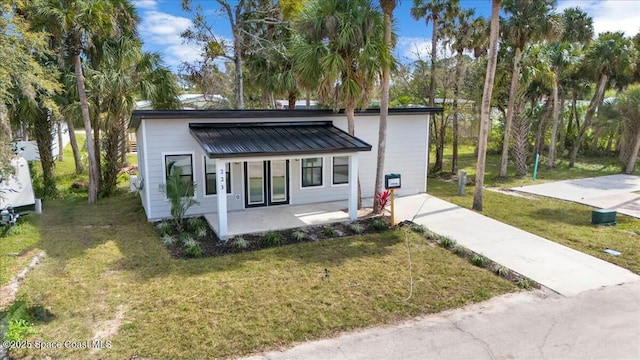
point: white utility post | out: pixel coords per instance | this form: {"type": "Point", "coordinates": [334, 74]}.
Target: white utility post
{"type": "Point", "coordinates": [221, 180]}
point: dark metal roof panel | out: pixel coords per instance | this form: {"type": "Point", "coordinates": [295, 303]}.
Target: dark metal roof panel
{"type": "Point", "coordinates": [138, 115]}
{"type": "Point", "coordinates": [225, 140]}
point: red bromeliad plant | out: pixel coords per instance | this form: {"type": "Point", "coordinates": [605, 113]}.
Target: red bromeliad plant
{"type": "Point", "coordinates": [383, 199]}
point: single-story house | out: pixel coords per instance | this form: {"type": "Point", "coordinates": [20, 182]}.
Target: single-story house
{"type": "Point", "coordinates": [265, 158]}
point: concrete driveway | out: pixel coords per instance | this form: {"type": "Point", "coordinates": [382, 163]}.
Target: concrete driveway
{"type": "Point", "coordinates": [597, 324]}
{"type": "Point", "coordinates": [617, 192]}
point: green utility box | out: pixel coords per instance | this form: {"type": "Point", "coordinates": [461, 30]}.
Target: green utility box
{"type": "Point", "coordinates": [603, 217]}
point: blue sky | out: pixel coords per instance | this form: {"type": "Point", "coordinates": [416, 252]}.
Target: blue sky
{"type": "Point", "coordinates": [164, 20]}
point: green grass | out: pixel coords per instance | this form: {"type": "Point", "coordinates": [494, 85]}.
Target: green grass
{"type": "Point", "coordinates": [108, 276]}
{"type": "Point", "coordinates": [19, 244]}
{"type": "Point", "coordinates": [564, 222]}
{"type": "Point", "coordinates": [586, 166]}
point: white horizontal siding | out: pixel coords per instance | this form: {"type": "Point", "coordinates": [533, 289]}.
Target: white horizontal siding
{"type": "Point", "coordinates": [406, 154]}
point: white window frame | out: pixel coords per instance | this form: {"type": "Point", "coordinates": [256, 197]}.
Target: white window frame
{"type": "Point", "coordinates": [193, 170]}
{"type": "Point", "coordinates": [204, 179]}
{"type": "Point", "coordinates": [348, 169]}
{"type": "Point", "coordinates": [324, 167]}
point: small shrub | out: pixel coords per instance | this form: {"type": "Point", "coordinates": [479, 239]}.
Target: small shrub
{"type": "Point", "coordinates": [479, 260]}
{"type": "Point", "coordinates": [168, 239]}
{"type": "Point", "coordinates": [447, 243]}
{"type": "Point", "coordinates": [459, 250]}
{"type": "Point", "coordinates": [273, 238]}
{"type": "Point", "coordinates": [17, 330]}
{"type": "Point", "coordinates": [195, 223]}
{"type": "Point", "coordinates": [186, 239]}
{"type": "Point", "coordinates": [420, 229]}
{"type": "Point", "coordinates": [379, 225]}
{"type": "Point", "coordinates": [163, 228]}
{"type": "Point", "coordinates": [523, 283]}
{"type": "Point", "coordinates": [201, 232]}
{"type": "Point", "coordinates": [298, 235]}
{"type": "Point", "coordinates": [193, 249]}
{"type": "Point", "coordinates": [329, 231]}
{"type": "Point", "coordinates": [502, 271]}
{"type": "Point", "coordinates": [240, 242]}
{"type": "Point", "coordinates": [356, 228]}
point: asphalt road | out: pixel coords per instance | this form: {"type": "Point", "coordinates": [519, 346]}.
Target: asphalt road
{"type": "Point", "coordinates": [595, 324]}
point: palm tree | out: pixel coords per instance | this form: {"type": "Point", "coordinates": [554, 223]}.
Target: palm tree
{"type": "Point", "coordinates": [77, 22]}
{"type": "Point", "coordinates": [23, 76]}
{"type": "Point", "coordinates": [461, 36]}
{"type": "Point", "coordinates": [578, 28]}
{"type": "Point", "coordinates": [486, 104]}
{"type": "Point", "coordinates": [440, 13]}
{"type": "Point", "coordinates": [341, 48]}
{"type": "Point", "coordinates": [611, 55]}
{"type": "Point", "coordinates": [387, 9]}
{"type": "Point", "coordinates": [530, 20]}
{"type": "Point", "coordinates": [629, 108]}
{"type": "Point", "coordinates": [434, 11]}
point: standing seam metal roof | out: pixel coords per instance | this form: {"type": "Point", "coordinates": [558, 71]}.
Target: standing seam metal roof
{"type": "Point", "coordinates": [225, 140]}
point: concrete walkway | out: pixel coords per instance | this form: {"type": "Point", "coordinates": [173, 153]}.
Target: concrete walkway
{"type": "Point", "coordinates": [564, 270]}
{"type": "Point", "coordinates": [597, 324]}
{"type": "Point", "coordinates": [606, 192]}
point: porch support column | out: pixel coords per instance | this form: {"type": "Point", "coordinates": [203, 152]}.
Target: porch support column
{"type": "Point", "coordinates": [353, 187]}
{"type": "Point", "coordinates": [221, 181]}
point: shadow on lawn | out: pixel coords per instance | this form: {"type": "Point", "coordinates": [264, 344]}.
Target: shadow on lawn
{"type": "Point", "coordinates": [571, 217]}
{"type": "Point", "coordinates": [71, 228]}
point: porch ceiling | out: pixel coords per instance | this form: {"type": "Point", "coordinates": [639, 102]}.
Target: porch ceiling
{"type": "Point", "coordinates": [233, 140]}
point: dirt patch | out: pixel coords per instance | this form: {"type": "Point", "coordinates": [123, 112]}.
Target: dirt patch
{"type": "Point", "coordinates": [9, 291]}
{"type": "Point", "coordinates": [106, 329]}
{"type": "Point", "coordinates": [510, 192]}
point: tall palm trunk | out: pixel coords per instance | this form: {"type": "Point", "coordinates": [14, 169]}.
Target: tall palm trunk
{"type": "Point", "coordinates": [84, 106]}
{"type": "Point", "coordinates": [96, 141]}
{"type": "Point", "coordinates": [554, 127]}
{"type": "Point", "coordinates": [456, 96]}
{"type": "Point", "coordinates": [60, 142]}
{"type": "Point", "coordinates": [631, 163]}
{"type": "Point", "coordinates": [74, 147]}
{"type": "Point", "coordinates": [434, 54]}
{"type": "Point", "coordinates": [561, 129]}
{"type": "Point", "coordinates": [486, 104]}
{"type": "Point", "coordinates": [384, 111]}
{"type": "Point", "coordinates": [44, 141]}
{"type": "Point", "coordinates": [588, 118]}
{"type": "Point", "coordinates": [510, 109]}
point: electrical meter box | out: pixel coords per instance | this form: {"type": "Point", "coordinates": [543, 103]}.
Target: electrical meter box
{"type": "Point", "coordinates": [603, 217]}
{"type": "Point", "coordinates": [392, 181]}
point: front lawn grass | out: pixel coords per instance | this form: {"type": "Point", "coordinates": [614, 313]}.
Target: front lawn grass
{"type": "Point", "coordinates": [107, 276]}
{"type": "Point", "coordinates": [17, 247]}
{"type": "Point", "coordinates": [561, 221]}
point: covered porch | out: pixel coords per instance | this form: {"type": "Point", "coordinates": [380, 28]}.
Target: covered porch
{"type": "Point", "coordinates": [256, 220]}
{"type": "Point", "coordinates": [266, 149]}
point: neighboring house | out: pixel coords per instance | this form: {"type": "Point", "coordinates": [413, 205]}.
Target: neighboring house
{"type": "Point", "coordinates": [300, 104]}
{"type": "Point", "coordinates": [275, 157]}
{"type": "Point", "coordinates": [191, 102]}
{"type": "Point", "coordinates": [29, 149]}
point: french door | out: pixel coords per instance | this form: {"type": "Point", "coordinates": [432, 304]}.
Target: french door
{"type": "Point", "coordinates": [266, 183]}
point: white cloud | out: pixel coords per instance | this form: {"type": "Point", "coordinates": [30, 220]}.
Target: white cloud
{"type": "Point", "coordinates": [163, 31]}
{"type": "Point", "coordinates": [610, 15]}
{"type": "Point", "coordinates": [146, 4]}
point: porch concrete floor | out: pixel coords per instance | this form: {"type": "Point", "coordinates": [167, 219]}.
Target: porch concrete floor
{"type": "Point", "coordinates": [263, 219]}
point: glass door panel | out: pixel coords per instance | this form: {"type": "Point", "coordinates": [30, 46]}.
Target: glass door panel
{"type": "Point", "coordinates": [278, 187]}
{"type": "Point", "coordinates": [255, 183]}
